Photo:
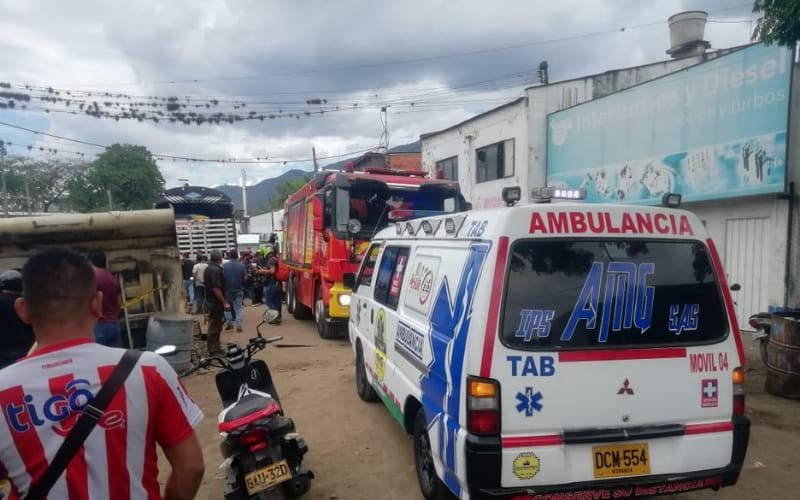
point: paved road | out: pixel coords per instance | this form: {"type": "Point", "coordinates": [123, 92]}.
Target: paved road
{"type": "Point", "coordinates": [357, 450]}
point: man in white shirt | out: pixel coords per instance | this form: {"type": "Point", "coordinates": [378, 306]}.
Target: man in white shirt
{"type": "Point", "coordinates": [199, 282]}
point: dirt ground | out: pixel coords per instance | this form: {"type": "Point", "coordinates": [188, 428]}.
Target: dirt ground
{"type": "Point", "coordinates": [357, 451]}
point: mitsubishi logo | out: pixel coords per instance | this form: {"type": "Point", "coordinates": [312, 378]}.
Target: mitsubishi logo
{"type": "Point", "coordinates": [626, 388]}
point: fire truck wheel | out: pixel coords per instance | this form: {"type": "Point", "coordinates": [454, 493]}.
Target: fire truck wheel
{"type": "Point", "coordinates": [325, 329]}
{"type": "Point", "coordinates": [299, 310]}
{"type": "Point", "coordinates": [291, 298]}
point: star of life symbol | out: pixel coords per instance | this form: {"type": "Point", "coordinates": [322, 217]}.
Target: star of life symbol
{"type": "Point", "coordinates": [626, 388]}
{"type": "Point", "coordinates": [529, 401]}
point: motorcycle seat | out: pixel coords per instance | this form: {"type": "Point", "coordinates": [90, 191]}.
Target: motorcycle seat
{"type": "Point", "coordinates": [250, 408]}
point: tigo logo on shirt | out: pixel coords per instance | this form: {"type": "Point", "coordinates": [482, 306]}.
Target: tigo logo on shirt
{"type": "Point", "coordinates": [57, 409]}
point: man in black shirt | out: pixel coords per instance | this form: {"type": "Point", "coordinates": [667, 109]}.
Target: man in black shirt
{"type": "Point", "coordinates": [187, 265]}
{"type": "Point", "coordinates": [16, 337]}
{"type": "Point", "coordinates": [215, 301]}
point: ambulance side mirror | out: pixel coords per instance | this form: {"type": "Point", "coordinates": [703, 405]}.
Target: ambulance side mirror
{"type": "Point", "coordinates": [349, 280]}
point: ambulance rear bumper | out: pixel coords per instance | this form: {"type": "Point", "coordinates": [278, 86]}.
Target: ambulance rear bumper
{"type": "Point", "coordinates": [484, 462]}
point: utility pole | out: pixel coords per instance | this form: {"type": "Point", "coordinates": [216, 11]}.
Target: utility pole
{"type": "Point", "coordinates": [3, 175]}
{"type": "Point", "coordinates": [110, 203]}
{"type": "Point", "coordinates": [314, 156]}
{"type": "Point", "coordinates": [244, 192]}
{"type": "Point", "coordinates": [27, 196]}
{"type": "Point", "coordinates": [5, 192]}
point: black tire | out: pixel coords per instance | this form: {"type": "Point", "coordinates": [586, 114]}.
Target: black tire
{"type": "Point", "coordinates": [291, 298]}
{"type": "Point", "coordinates": [364, 389]}
{"type": "Point", "coordinates": [301, 311]}
{"type": "Point", "coordinates": [324, 328]}
{"type": "Point", "coordinates": [430, 485]}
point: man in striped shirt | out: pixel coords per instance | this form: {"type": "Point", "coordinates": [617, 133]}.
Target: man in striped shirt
{"type": "Point", "coordinates": [43, 394]}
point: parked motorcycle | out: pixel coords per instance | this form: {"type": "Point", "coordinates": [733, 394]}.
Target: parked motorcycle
{"type": "Point", "coordinates": [762, 323]}
{"type": "Point", "coordinates": [262, 453]}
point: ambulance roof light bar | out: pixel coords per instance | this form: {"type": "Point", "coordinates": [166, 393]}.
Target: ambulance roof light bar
{"type": "Point", "coordinates": [546, 194]}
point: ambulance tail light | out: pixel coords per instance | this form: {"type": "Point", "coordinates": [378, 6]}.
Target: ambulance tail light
{"type": "Point", "coordinates": [738, 392]}
{"type": "Point", "coordinates": [483, 406]}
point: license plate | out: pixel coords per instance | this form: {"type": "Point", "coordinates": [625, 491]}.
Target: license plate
{"type": "Point", "coordinates": [266, 477]}
{"type": "Point", "coordinates": [621, 460]}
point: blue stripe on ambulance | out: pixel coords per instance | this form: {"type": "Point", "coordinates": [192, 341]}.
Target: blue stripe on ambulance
{"type": "Point", "coordinates": [441, 388]}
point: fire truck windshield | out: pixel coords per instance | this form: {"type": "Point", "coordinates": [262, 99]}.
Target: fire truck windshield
{"type": "Point", "coordinates": [371, 207]}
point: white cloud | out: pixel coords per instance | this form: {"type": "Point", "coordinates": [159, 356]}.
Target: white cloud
{"type": "Point", "coordinates": [96, 44]}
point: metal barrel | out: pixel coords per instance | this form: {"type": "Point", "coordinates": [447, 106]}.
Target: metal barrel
{"type": "Point", "coordinates": [170, 328]}
{"type": "Point", "coordinates": [783, 355]}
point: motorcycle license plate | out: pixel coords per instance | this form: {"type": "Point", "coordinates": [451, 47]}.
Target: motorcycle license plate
{"type": "Point", "coordinates": [266, 477]}
{"type": "Point", "coordinates": [621, 460]}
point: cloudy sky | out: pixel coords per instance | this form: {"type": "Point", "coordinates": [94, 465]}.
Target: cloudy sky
{"type": "Point", "coordinates": [432, 62]}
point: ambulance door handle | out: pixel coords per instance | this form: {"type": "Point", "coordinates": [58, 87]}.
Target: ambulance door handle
{"type": "Point", "coordinates": [372, 316]}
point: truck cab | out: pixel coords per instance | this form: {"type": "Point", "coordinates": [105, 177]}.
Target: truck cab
{"type": "Point", "coordinates": [329, 223]}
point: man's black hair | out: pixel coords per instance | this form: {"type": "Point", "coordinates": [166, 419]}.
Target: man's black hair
{"type": "Point", "coordinates": [57, 283]}
{"type": "Point", "coordinates": [233, 255]}
{"type": "Point", "coordinates": [98, 258]}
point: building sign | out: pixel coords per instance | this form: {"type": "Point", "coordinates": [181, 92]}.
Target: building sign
{"type": "Point", "coordinates": [714, 130]}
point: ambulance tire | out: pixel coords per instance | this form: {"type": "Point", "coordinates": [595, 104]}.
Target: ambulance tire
{"type": "Point", "coordinates": [430, 485]}
{"type": "Point", "coordinates": [365, 390]}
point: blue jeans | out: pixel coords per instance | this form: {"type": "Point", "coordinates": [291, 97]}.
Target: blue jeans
{"type": "Point", "coordinates": [188, 287]}
{"type": "Point", "coordinates": [272, 296]}
{"type": "Point", "coordinates": [234, 297]}
{"type": "Point", "coordinates": [108, 333]}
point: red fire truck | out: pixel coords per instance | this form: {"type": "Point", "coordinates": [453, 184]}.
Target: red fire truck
{"type": "Point", "coordinates": [329, 223]}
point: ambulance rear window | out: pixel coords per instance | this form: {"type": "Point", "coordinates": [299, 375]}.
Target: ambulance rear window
{"type": "Point", "coordinates": [606, 293]}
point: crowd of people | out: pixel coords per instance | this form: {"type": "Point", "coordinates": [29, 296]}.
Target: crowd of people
{"type": "Point", "coordinates": [217, 286]}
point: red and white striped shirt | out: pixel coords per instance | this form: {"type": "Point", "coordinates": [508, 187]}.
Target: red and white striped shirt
{"type": "Point", "coordinates": [41, 398]}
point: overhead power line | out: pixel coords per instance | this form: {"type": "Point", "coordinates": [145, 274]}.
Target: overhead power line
{"type": "Point", "coordinates": [192, 159]}
{"type": "Point", "coordinates": [397, 62]}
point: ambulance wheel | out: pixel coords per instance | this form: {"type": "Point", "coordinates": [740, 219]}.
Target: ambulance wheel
{"type": "Point", "coordinates": [430, 485]}
{"type": "Point", "coordinates": [365, 390]}
{"type": "Point", "coordinates": [291, 298]}
{"type": "Point", "coordinates": [325, 329]}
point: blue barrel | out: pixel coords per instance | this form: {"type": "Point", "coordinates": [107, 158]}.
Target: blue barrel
{"type": "Point", "coordinates": [171, 328]}
{"type": "Point", "coordinates": [783, 355]}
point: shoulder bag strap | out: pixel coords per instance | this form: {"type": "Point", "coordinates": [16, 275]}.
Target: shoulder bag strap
{"type": "Point", "coordinates": [92, 414]}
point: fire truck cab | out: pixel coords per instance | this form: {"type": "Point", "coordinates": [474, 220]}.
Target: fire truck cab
{"type": "Point", "coordinates": [329, 223]}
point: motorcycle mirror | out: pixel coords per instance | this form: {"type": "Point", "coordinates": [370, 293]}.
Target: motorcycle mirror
{"type": "Point", "coordinates": [166, 350]}
{"type": "Point", "coordinates": [735, 287]}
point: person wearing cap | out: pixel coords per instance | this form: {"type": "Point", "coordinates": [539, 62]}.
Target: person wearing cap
{"type": "Point", "coordinates": [16, 337]}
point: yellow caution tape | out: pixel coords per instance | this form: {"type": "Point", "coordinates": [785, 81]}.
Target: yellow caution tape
{"type": "Point", "coordinates": [140, 298]}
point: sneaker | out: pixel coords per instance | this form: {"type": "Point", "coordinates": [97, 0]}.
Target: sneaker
{"type": "Point", "coordinates": [238, 328]}
{"type": "Point", "coordinates": [229, 326]}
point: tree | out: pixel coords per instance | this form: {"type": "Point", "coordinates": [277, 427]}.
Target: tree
{"type": "Point", "coordinates": [125, 173]}
{"type": "Point", "coordinates": [780, 22]}
{"type": "Point", "coordinates": [34, 185]}
{"type": "Point", "coordinates": [283, 191]}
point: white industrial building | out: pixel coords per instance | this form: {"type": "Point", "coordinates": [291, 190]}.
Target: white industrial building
{"type": "Point", "coordinates": [753, 222]}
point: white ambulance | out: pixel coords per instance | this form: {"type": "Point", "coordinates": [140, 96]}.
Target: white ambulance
{"type": "Point", "coordinates": [554, 351]}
